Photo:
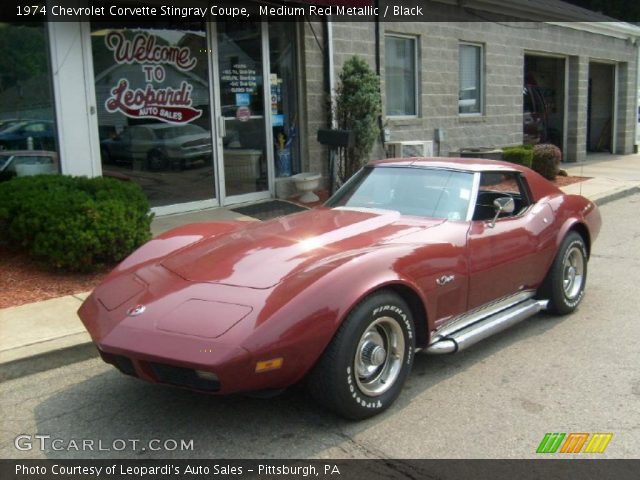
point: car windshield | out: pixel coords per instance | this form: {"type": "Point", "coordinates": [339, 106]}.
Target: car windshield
{"type": "Point", "coordinates": [425, 192]}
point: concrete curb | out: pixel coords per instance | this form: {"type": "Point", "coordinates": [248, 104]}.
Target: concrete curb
{"type": "Point", "coordinates": [627, 192]}
{"type": "Point", "coordinates": [47, 361]}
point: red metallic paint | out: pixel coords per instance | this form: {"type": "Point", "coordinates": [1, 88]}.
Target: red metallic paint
{"type": "Point", "coordinates": [281, 288]}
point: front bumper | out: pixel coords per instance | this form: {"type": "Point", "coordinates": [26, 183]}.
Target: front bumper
{"type": "Point", "coordinates": [169, 343]}
{"type": "Point", "coordinates": [172, 359]}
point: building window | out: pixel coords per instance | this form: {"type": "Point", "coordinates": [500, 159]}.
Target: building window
{"type": "Point", "coordinates": [470, 81]}
{"type": "Point", "coordinates": [152, 91]}
{"type": "Point", "coordinates": [284, 97]}
{"type": "Point", "coordinates": [28, 139]}
{"type": "Point", "coordinates": [401, 75]}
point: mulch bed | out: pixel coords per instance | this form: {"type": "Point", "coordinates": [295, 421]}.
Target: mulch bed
{"type": "Point", "coordinates": [564, 181]}
{"type": "Point", "coordinates": [23, 280]}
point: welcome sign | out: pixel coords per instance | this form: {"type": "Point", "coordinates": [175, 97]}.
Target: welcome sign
{"type": "Point", "coordinates": [168, 104]}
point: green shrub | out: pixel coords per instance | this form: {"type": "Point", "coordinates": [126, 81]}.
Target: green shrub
{"type": "Point", "coordinates": [357, 107]}
{"type": "Point", "coordinates": [74, 223]}
{"type": "Point", "coordinates": [546, 160]}
{"type": "Point", "coordinates": [522, 155]}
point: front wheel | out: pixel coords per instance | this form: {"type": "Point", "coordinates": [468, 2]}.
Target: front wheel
{"type": "Point", "coordinates": [565, 283]}
{"type": "Point", "coordinates": [365, 366]}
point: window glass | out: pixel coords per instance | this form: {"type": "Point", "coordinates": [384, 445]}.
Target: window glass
{"type": "Point", "coordinates": [400, 75]}
{"type": "Point", "coordinates": [27, 118]}
{"type": "Point", "coordinates": [284, 98]}
{"type": "Point", "coordinates": [426, 192]}
{"type": "Point", "coordinates": [495, 185]}
{"type": "Point", "coordinates": [470, 79]}
{"type": "Point", "coordinates": [152, 89]}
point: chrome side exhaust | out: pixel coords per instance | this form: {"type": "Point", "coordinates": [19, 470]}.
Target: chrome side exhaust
{"type": "Point", "coordinates": [465, 337]}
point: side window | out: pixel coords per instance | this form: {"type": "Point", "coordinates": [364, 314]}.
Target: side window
{"type": "Point", "coordinates": [500, 184]}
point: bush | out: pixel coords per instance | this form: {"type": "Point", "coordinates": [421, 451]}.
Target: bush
{"type": "Point", "coordinates": [357, 107]}
{"type": "Point", "coordinates": [522, 155]}
{"type": "Point", "coordinates": [74, 223]}
{"type": "Point", "coordinates": [546, 160]}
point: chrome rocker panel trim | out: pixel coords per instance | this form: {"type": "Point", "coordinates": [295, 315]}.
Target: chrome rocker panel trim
{"type": "Point", "coordinates": [483, 322]}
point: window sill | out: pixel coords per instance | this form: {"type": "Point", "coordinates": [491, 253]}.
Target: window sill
{"type": "Point", "coordinates": [404, 121]}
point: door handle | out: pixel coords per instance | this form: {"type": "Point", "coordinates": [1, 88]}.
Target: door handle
{"type": "Point", "coordinates": [222, 127]}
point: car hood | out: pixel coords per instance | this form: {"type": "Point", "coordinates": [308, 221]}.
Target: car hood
{"type": "Point", "coordinates": [262, 254]}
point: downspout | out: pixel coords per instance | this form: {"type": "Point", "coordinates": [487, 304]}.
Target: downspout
{"type": "Point", "coordinates": [376, 5]}
{"type": "Point", "coordinates": [636, 142]}
{"type": "Point", "coordinates": [329, 88]}
{"type": "Point", "coordinates": [329, 69]}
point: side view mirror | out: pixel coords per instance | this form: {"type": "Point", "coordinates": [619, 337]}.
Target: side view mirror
{"type": "Point", "coordinates": [502, 205]}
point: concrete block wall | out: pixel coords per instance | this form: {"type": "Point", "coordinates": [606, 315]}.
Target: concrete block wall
{"type": "Point", "coordinates": [577, 108]}
{"type": "Point", "coordinates": [627, 115]}
{"type": "Point", "coordinates": [505, 46]}
{"type": "Point", "coordinates": [313, 98]}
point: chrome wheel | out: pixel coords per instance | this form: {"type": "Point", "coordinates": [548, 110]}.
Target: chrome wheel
{"type": "Point", "coordinates": [379, 356]}
{"type": "Point", "coordinates": [573, 272]}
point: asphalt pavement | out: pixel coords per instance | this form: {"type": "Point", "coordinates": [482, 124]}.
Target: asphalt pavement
{"type": "Point", "coordinates": [577, 373]}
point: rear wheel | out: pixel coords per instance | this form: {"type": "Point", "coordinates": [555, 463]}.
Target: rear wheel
{"type": "Point", "coordinates": [565, 283]}
{"type": "Point", "coordinates": [363, 369]}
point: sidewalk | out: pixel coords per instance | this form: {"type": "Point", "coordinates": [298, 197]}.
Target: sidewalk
{"type": "Point", "coordinates": [614, 176]}
{"type": "Point", "coordinates": [43, 335]}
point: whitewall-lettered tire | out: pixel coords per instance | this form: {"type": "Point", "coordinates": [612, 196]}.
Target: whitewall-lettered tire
{"type": "Point", "coordinates": [365, 366]}
{"type": "Point", "coordinates": [567, 278]}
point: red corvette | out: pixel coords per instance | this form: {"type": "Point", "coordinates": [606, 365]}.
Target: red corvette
{"type": "Point", "coordinates": [409, 255]}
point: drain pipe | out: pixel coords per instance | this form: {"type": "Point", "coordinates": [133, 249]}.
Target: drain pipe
{"type": "Point", "coordinates": [329, 86]}
{"type": "Point", "coordinates": [376, 5]}
{"type": "Point", "coordinates": [331, 71]}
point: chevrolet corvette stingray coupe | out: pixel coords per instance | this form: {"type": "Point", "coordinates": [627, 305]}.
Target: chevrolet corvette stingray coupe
{"type": "Point", "coordinates": [410, 255]}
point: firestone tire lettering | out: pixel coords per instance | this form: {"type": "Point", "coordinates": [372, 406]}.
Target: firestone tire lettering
{"type": "Point", "coordinates": [333, 381]}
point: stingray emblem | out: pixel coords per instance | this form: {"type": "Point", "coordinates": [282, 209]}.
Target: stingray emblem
{"type": "Point", "coordinates": [443, 280]}
{"type": "Point", "coordinates": [137, 310]}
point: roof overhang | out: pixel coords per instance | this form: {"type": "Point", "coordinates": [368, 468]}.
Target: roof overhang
{"type": "Point", "coordinates": [554, 12]}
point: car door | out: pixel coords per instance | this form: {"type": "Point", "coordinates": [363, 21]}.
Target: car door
{"type": "Point", "coordinates": [511, 254]}
{"type": "Point", "coordinates": [438, 264]}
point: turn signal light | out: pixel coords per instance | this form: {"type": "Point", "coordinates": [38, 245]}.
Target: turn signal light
{"type": "Point", "coordinates": [267, 365]}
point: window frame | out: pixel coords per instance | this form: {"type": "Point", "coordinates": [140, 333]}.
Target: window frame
{"type": "Point", "coordinates": [481, 83]}
{"type": "Point", "coordinates": [523, 186]}
{"type": "Point", "coordinates": [416, 75]}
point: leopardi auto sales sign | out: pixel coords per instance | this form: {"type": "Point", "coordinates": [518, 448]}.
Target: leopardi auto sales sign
{"type": "Point", "coordinates": [168, 104]}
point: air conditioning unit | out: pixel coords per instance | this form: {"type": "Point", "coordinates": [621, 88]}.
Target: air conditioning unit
{"type": "Point", "coordinates": [418, 148]}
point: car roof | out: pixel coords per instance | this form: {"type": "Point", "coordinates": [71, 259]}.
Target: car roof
{"type": "Point", "coordinates": [462, 164]}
